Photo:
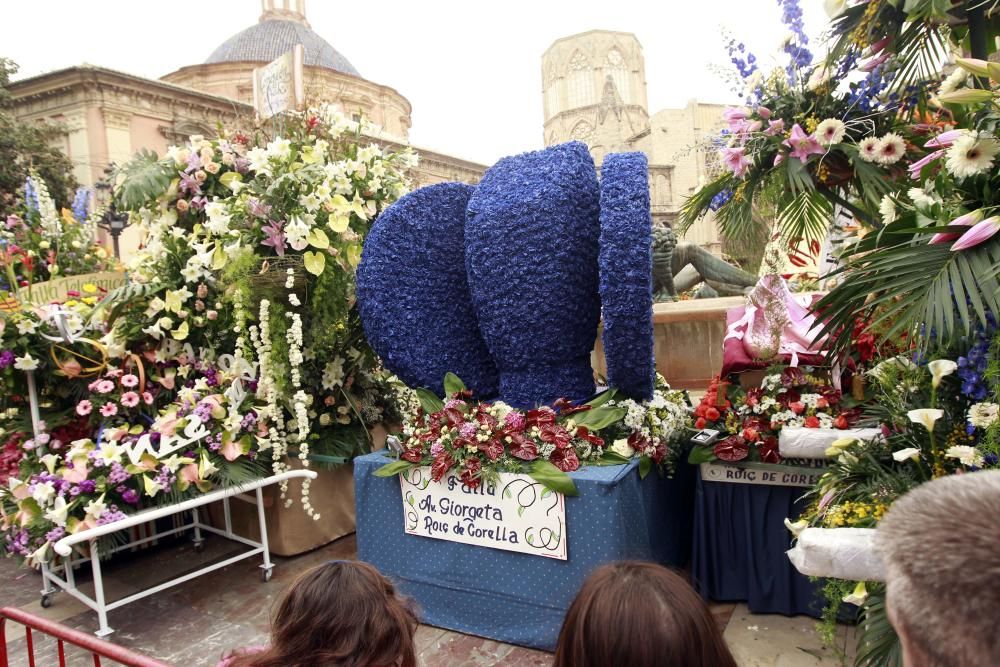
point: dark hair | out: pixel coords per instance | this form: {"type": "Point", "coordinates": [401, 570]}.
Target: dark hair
{"type": "Point", "coordinates": [342, 614]}
{"type": "Point", "coordinates": [640, 615]}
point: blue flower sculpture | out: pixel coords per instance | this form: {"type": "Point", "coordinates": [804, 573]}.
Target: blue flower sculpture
{"type": "Point", "coordinates": [626, 270]}
{"type": "Point", "coordinates": [531, 234]}
{"type": "Point", "coordinates": [413, 296]}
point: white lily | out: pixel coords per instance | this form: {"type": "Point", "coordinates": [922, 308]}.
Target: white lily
{"type": "Point", "coordinates": [940, 368]}
{"type": "Point", "coordinates": [796, 528]}
{"type": "Point", "coordinates": [926, 416]}
{"type": "Point", "coordinates": [908, 453]}
{"type": "Point", "coordinates": [95, 508]}
{"type": "Point", "coordinates": [59, 512]}
{"type": "Point", "coordinates": [50, 460]}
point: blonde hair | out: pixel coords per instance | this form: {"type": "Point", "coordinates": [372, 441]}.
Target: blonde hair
{"type": "Point", "coordinates": [941, 548]}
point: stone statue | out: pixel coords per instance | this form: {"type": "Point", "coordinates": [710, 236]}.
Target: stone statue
{"type": "Point", "coordinates": [678, 267]}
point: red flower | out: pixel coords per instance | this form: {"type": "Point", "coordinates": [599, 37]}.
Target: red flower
{"type": "Point", "coordinates": [768, 450]}
{"type": "Point", "coordinates": [797, 407]}
{"type": "Point", "coordinates": [566, 407]}
{"type": "Point", "coordinates": [659, 453]}
{"type": "Point", "coordinates": [413, 454]}
{"type": "Point", "coordinates": [733, 448]}
{"type": "Point", "coordinates": [751, 434]}
{"type": "Point", "coordinates": [841, 422]}
{"type": "Point", "coordinates": [584, 433]}
{"type": "Point", "coordinates": [638, 442]}
{"type": "Point", "coordinates": [470, 472]}
{"type": "Point", "coordinates": [442, 464]}
{"type": "Point", "coordinates": [312, 122]}
{"type": "Point", "coordinates": [712, 414]}
{"type": "Point", "coordinates": [539, 417]}
{"type": "Point", "coordinates": [565, 459]}
{"type": "Point", "coordinates": [821, 403]}
{"type": "Point", "coordinates": [556, 434]}
{"type": "Point", "coordinates": [521, 447]}
{"type": "Point", "coordinates": [792, 377]}
{"type": "Point", "coordinates": [811, 422]}
{"type": "Point", "coordinates": [866, 347]}
{"type": "Point", "coordinates": [492, 448]}
{"type": "Point", "coordinates": [699, 423]}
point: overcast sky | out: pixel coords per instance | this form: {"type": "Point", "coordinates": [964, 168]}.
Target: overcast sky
{"type": "Point", "coordinates": [471, 70]}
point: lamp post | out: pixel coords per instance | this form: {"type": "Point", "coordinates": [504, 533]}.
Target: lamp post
{"type": "Point", "coordinates": [113, 221]}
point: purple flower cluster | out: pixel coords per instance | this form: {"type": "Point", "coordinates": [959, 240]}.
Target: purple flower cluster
{"type": "Point", "coordinates": [7, 359]}
{"type": "Point", "coordinates": [30, 194]}
{"type": "Point", "coordinates": [801, 57]}
{"type": "Point", "coordinates": [165, 478]}
{"type": "Point", "coordinates": [249, 421]}
{"type": "Point", "coordinates": [720, 199]}
{"type": "Point", "coordinates": [746, 62]}
{"type": "Point", "coordinates": [118, 473]}
{"type": "Point", "coordinates": [865, 94]}
{"type": "Point", "coordinates": [972, 365]}
{"type": "Point", "coordinates": [81, 204]}
{"type": "Point", "coordinates": [110, 515]}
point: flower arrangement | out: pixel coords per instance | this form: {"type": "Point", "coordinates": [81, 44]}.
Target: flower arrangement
{"type": "Point", "coordinates": [479, 440]}
{"type": "Point", "coordinates": [42, 243]}
{"type": "Point", "coordinates": [751, 420]}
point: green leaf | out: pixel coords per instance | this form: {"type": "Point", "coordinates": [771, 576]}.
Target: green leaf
{"type": "Point", "coordinates": [315, 262]}
{"type": "Point", "coordinates": [428, 401]}
{"type": "Point", "coordinates": [508, 494]}
{"type": "Point", "coordinates": [531, 540]}
{"type": "Point", "coordinates": [701, 455]}
{"type": "Point", "coordinates": [394, 468]}
{"type": "Point", "coordinates": [319, 239]}
{"type": "Point", "coordinates": [219, 257]}
{"type": "Point", "coordinates": [645, 465]}
{"type": "Point", "coordinates": [612, 458]}
{"type": "Point", "coordinates": [602, 398]}
{"type": "Point", "coordinates": [520, 510]}
{"type": "Point", "coordinates": [552, 477]}
{"type": "Point", "coordinates": [546, 492]}
{"type": "Point", "coordinates": [599, 418]}
{"type": "Point", "coordinates": [452, 384]}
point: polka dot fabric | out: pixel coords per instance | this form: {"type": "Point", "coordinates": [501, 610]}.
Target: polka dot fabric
{"type": "Point", "coordinates": [520, 598]}
{"type": "Point", "coordinates": [413, 296]}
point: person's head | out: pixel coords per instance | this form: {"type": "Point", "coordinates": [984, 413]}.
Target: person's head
{"type": "Point", "coordinates": [941, 549]}
{"type": "Point", "coordinates": [640, 615]}
{"type": "Point", "coordinates": [342, 614]}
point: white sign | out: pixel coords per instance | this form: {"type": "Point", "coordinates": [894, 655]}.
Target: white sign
{"type": "Point", "coordinates": [517, 513]}
{"type": "Point", "coordinates": [771, 476]}
{"type": "Point", "coordinates": [277, 86]}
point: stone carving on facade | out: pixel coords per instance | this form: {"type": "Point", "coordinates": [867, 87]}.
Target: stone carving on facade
{"type": "Point", "coordinates": [680, 266]}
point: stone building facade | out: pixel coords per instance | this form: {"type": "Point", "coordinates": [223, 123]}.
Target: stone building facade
{"type": "Point", "coordinates": [109, 115]}
{"type": "Point", "coordinates": [594, 90]}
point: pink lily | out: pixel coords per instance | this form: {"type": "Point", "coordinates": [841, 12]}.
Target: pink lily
{"type": "Point", "coordinates": [735, 160]}
{"type": "Point", "coordinates": [966, 220]}
{"type": "Point", "coordinates": [878, 46]}
{"type": "Point", "coordinates": [917, 166]}
{"type": "Point", "coordinates": [803, 145]}
{"type": "Point", "coordinates": [983, 231]}
{"type": "Point", "coordinates": [871, 64]}
{"type": "Point", "coordinates": [735, 117]}
{"type": "Point", "coordinates": [944, 139]}
{"type": "Point", "coordinates": [778, 159]}
{"type": "Point", "coordinates": [764, 112]}
{"type": "Point", "coordinates": [775, 127]}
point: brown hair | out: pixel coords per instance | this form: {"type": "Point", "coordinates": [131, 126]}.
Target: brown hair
{"type": "Point", "coordinates": [641, 615]}
{"type": "Point", "coordinates": [343, 614]}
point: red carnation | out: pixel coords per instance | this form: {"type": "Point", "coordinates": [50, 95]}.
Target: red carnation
{"type": "Point", "coordinates": [841, 422]}
{"type": "Point", "coordinates": [699, 423]}
{"type": "Point", "coordinates": [712, 414]}
{"type": "Point", "coordinates": [565, 459]}
{"type": "Point", "coordinates": [821, 403]}
{"type": "Point", "coordinates": [733, 448]}
{"type": "Point", "coordinates": [797, 407]}
{"type": "Point", "coordinates": [811, 422]}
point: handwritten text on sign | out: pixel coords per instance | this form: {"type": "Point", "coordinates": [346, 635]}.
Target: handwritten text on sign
{"type": "Point", "coordinates": [516, 514]}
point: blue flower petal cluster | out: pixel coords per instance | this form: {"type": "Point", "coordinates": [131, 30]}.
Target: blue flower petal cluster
{"type": "Point", "coordinates": [626, 270]}
{"type": "Point", "coordinates": [531, 237]}
{"type": "Point", "coordinates": [413, 296]}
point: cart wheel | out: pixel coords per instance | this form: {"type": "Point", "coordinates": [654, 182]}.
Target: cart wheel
{"type": "Point", "coordinates": [199, 546]}
{"type": "Point", "coordinates": [46, 601]}
{"type": "Point", "coordinates": [265, 575]}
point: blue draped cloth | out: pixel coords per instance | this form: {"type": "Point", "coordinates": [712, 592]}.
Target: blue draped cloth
{"type": "Point", "coordinates": [521, 598]}
{"type": "Point", "coordinates": [739, 548]}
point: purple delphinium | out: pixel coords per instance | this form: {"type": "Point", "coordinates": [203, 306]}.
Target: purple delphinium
{"type": "Point", "coordinates": [81, 203]}
{"type": "Point", "coordinates": [796, 48]}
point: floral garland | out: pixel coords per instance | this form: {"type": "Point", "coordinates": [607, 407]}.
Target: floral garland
{"type": "Point", "coordinates": [480, 440]}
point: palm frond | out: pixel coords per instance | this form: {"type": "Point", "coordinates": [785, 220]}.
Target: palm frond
{"type": "Point", "coordinates": [119, 297]}
{"type": "Point", "coordinates": [141, 180]}
{"type": "Point", "coordinates": [913, 284]}
{"type": "Point", "coordinates": [807, 216]}
{"type": "Point", "coordinates": [878, 643]}
{"type": "Point", "coordinates": [698, 203]}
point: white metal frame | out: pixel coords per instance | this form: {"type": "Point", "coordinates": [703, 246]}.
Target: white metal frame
{"type": "Point", "coordinates": [53, 582]}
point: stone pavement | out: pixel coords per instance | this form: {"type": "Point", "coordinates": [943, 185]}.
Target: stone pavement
{"type": "Point", "coordinates": [195, 623]}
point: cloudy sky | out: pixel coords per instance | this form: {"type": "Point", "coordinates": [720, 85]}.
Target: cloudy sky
{"type": "Point", "coordinates": [470, 69]}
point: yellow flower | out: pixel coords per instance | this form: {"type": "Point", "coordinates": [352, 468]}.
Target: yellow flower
{"type": "Point", "coordinates": [90, 288]}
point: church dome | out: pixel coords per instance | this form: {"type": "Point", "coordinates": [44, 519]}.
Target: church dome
{"type": "Point", "coordinates": [276, 34]}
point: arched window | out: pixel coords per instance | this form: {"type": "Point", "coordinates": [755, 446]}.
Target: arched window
{"type": "Point", "coordinates": [615, 66]}
{"type": "Point", "coordinates": [580, 91]}
{"type": "Point", "coordinates": [552, 85]}
{"type": "Point", "coordinates": [582, 131]}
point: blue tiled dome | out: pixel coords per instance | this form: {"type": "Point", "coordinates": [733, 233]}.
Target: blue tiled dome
{"type": "Point", "coordinates": [269, 39]}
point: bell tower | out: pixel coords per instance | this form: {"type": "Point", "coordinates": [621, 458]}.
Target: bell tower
{"type": "Point", "coordinates": [284, 10]}
{"type": "Point", "coordinates": [594, 91]}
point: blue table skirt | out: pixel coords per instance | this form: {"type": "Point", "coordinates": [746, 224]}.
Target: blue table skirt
{"type": "Point", "coordinates": [520, 598]}
{"type": "Point", "coordinates": [739, 548]}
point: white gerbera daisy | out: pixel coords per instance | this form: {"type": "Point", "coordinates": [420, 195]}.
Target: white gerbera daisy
{"type": "Point", "coordinates": [868, 149]}
{"type": "Point", "coordinates": [983, 415]}
{"type": "Point", "coordinates": [887, 208]}
{"type": "Point", "coordinates": [831, 131]}
{"type": "Point", "coordinates": [921, 199]}
{"type": "Point", "coordinates": [890, 148]}
{"type": "Point", "coordinates": [970, 155]}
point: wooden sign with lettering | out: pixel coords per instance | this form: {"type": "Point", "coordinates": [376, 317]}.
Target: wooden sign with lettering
{"type": "Point", "coordinates": [515, 514]}
{"type": "Point", "coordinates": [277, 86]}
{"type": "Point", "coordinates": [795, 472]}
{"type": "Point", "coordinates": [58, 290]}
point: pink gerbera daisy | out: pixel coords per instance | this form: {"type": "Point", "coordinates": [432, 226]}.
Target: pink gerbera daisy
{"type": "Point", "coordinates": [84, 408]}
{"type": "Point", "coordinates": [130, 399]}
{"type": "Point", "coordinates": [147, 398]}
{"type": "Point", "coordinates": [109, 409]}
{"type": "Point", "coordinates": [129, 380]}
{"type": "Point", "coordinates": [104, 386]}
